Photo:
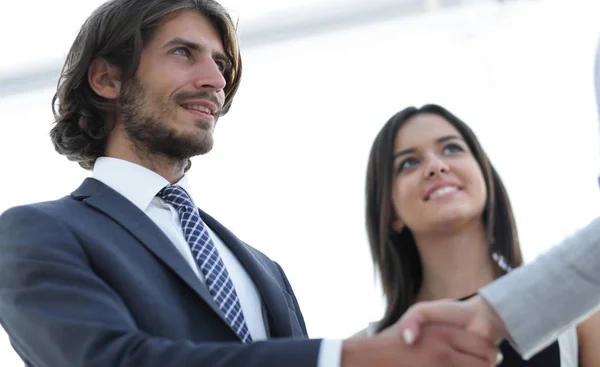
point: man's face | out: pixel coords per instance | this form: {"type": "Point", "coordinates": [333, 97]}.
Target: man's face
{"type": "Point", "coordinates": [172, 104]}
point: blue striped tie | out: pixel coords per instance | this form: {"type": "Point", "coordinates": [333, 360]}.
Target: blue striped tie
{"type": "Point", "coordinates": [207, 257]}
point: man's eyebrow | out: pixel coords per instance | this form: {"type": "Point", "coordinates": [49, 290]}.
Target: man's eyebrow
{"type": "Point", "coordinates": [217, 55]}
{"type": "Point", "coordinates": [182, 42]}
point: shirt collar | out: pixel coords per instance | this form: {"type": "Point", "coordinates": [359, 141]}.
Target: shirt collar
{"type": "Point", "coordinates": [136, 183]}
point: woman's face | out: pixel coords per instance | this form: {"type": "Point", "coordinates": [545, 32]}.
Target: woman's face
{"type": "Point", "coordinates": [437, 183]}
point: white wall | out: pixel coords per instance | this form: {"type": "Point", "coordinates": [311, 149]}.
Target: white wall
{"type": "Point", "coordinates": [287, 171]}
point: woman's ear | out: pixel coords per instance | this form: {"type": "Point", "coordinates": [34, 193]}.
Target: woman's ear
{"type": "Point", "coordinates": [397, 225]}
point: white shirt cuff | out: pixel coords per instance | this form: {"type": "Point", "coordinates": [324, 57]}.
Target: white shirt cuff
{"type": "Point", "coordinates": [330, 353]}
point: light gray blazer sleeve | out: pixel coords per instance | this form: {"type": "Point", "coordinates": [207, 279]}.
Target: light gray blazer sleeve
{"type": "Point", "coordinates": [597, 79]}
{"type": "Point", "coordinates": [559, 289]}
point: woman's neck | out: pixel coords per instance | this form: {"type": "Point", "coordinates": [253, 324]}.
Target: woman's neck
{"type": "Point", "coordinates": [455, 265]}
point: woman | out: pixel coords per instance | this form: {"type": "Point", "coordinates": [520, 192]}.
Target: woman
{"type": "Point", "coordinates": [440, 225]}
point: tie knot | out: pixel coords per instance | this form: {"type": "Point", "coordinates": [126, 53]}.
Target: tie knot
{"type": "Point", "coordinates": [176, 196]}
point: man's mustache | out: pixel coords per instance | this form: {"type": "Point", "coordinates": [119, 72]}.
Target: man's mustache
{"type": "Point", "coordinates": [180, 98]}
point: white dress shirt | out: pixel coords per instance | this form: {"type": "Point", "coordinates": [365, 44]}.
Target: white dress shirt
{"type": "Point", "coordinates": [140, 186]}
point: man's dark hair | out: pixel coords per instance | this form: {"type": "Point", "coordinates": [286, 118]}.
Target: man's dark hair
{"type": "Point", "coordinates": [117, 32]}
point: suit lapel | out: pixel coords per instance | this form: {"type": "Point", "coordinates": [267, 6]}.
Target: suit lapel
{"type": "Point", "coordinates": [271, 294]}
{"type": "Point", "coordinates": [99, 196]}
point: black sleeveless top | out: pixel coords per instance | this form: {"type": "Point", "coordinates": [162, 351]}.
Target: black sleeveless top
{"type": "Point", "coordinates": [549, 357]}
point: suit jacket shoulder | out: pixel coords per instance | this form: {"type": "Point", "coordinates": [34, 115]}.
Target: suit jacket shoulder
{"type": "Point", "coordinates": [89, 279]}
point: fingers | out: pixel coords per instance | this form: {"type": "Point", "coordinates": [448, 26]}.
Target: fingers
{"type": "Point", "coordinates": [470, 344]}
{"type": "Point", "coordinates": [440, 345]}
{"type": "Point", "coordinates": [452, 313]}
{"type": "Point", "coordinates": [463, 348]}
{"type": "Point", "coordinates": [440, 312]}
{"type": "Point", "coordinates": [465, 360]}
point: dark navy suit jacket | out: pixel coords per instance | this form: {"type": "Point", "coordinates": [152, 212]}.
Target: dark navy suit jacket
{"type": "Point", "coordinates": [89, 280]}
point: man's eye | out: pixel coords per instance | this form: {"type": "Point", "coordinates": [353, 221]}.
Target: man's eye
{"type": "Point", "coordinates": [223, 65]}
{"type": "Point", "coordinates": [182, 51]}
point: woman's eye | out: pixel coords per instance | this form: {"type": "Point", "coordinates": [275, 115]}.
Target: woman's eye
{"type": "Point", "coordinates": [452, 148]}
{"type": "Point", "coordinates": [407, 163]}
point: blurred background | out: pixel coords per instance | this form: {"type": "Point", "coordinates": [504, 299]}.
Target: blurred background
{"type": "Point", "coordinates": [320, 78]}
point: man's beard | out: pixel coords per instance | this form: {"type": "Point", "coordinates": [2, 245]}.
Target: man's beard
{"type": "Point", "coordinates": [146, 120]}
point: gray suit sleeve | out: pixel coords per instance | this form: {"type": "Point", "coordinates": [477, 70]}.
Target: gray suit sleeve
{"type": "Point", "coordinates": [559, 289]}
{"type": "Point", "coordinates": [597, 79]}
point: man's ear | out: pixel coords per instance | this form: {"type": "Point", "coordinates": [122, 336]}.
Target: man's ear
{"type": "Point", "coordinates": [104, 78]}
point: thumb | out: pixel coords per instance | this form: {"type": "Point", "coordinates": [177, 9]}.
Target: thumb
{"type": "Point", "coordinates": [411, 330]}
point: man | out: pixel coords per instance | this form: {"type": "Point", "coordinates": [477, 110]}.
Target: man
{"type": "Point", "coordinates": [533, 304]}
{"type": "Point", "coordinates": [127, 271]}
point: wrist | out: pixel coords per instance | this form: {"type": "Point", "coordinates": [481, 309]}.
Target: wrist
{"type": "Point", "coordinates": [359, 352]}
{"type": "Point", "coordinates": [483, 308]}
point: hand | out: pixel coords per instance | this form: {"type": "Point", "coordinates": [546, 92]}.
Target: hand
{"type": "Point", "coordinates": [474, 315]}
{"type": "Point", "coordinates": [439, 346]}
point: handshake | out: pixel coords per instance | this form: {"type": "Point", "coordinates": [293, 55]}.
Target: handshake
{"type": "Point", "coordinates": [474, 315]}
{"type": "Point", "coordinates": [439, 333]}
